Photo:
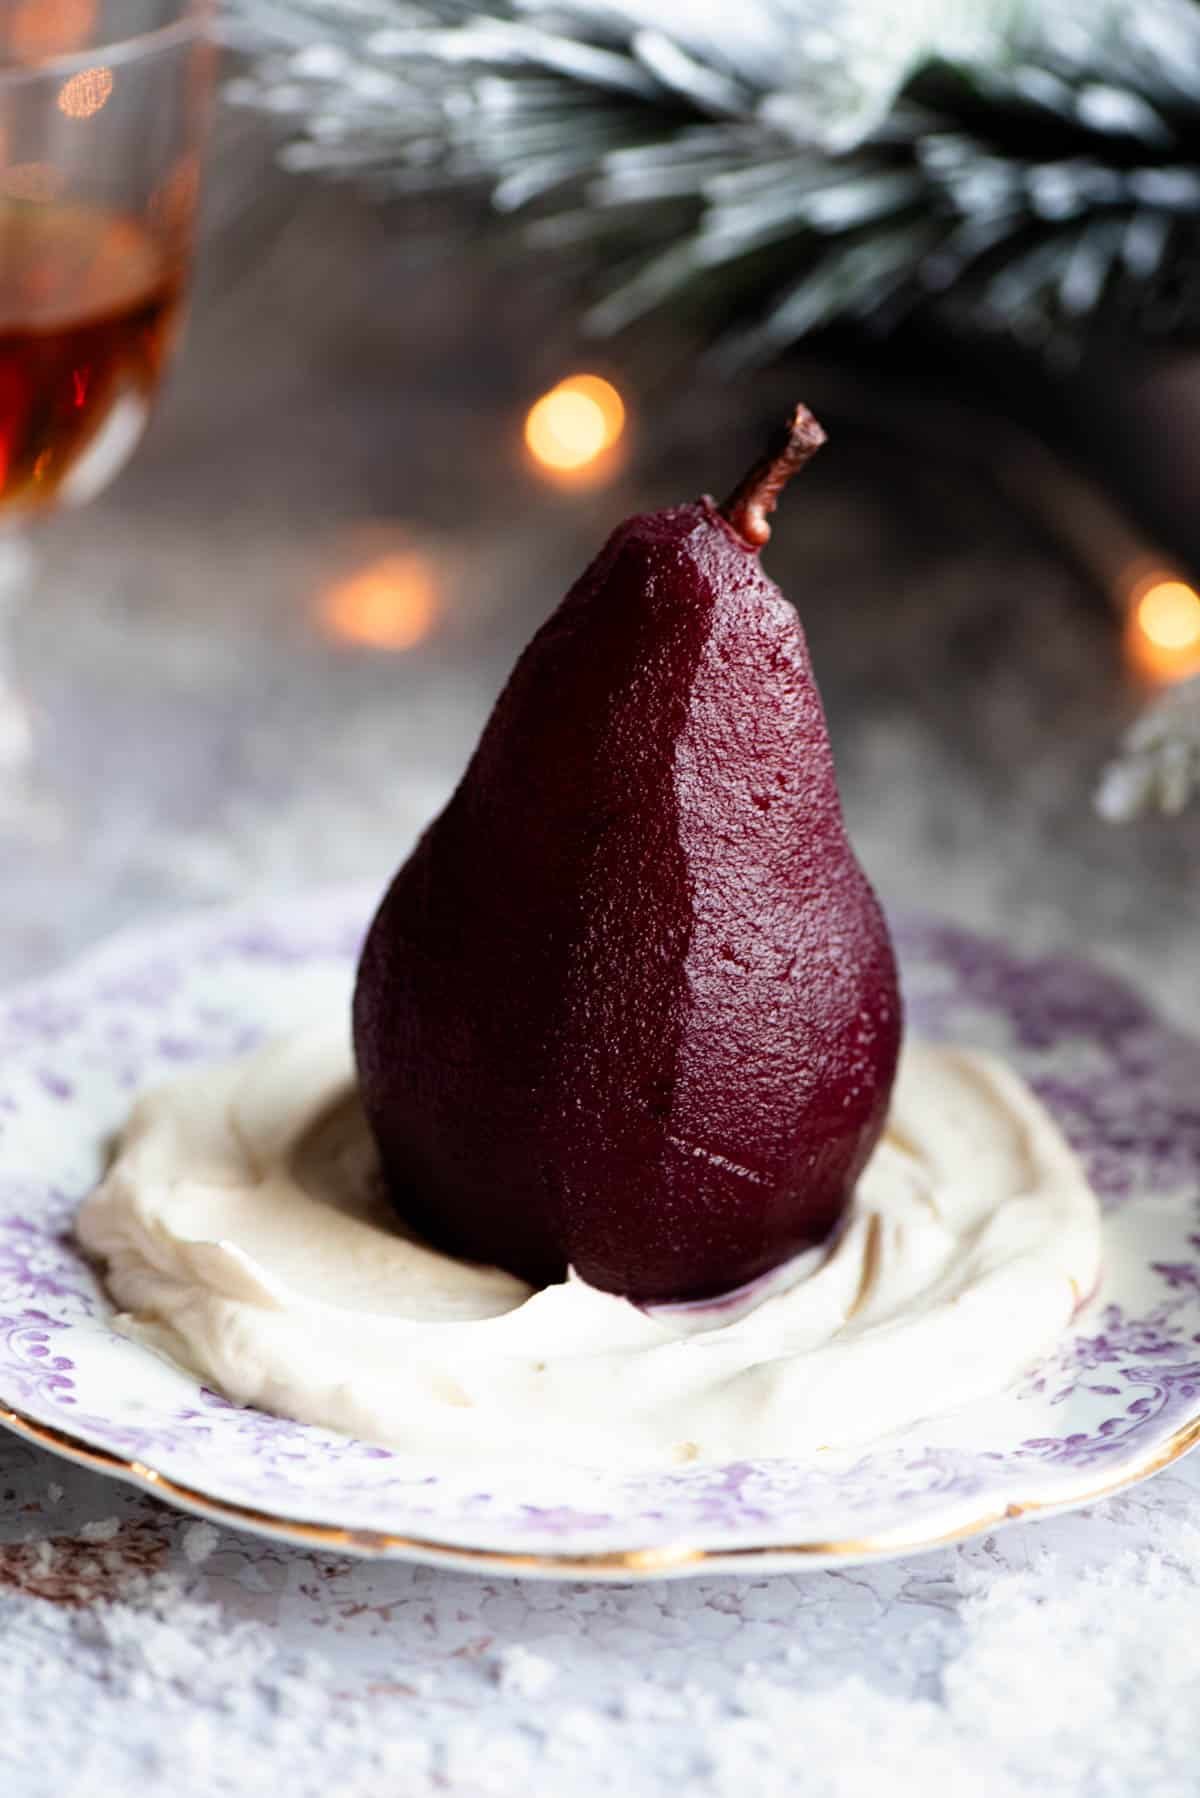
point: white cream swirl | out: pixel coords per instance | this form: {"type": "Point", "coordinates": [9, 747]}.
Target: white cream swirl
{"type": "Point", "coordinates": [244, 1237]}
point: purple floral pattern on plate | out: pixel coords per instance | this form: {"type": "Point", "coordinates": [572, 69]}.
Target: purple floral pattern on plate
{"type": "Point", "coordinates": [1120, 1393]}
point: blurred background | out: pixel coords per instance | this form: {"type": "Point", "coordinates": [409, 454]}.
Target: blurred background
{"type": "Point", "coordinates": [966, 235]}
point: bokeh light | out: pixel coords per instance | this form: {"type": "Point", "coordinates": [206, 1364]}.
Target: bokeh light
{"type": "Point", "coordinates": [391, 603]}
{"type": "Point", "coordinates": [1164, 629]}
{"type": "Point", "coordinates": [85, 93]}
{"type": "Point", "coordinates": [572, 430]}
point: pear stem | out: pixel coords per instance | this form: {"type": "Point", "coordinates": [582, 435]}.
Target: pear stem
{"type": "Point", "coordinates": [749, 506]}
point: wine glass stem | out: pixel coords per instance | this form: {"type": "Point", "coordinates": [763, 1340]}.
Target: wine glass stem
{"type": "Point", "coordinates": [16, 581]}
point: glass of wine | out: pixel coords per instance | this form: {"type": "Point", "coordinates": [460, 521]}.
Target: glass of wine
{"type": "Point", "coordinates": [104, 106]}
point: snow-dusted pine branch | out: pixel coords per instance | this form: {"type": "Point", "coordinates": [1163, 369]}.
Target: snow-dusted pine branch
{"type": "Point", "coordinates": [779, 163]}
{"type": "Point", "coordinates": [1158, 764]}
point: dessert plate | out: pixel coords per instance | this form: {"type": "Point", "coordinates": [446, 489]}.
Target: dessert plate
{"type": "Point", "coordinates": [1117, 1399]}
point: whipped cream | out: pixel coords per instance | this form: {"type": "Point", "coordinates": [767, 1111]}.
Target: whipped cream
{"type": "Point", "coordinates": [246, 1237]}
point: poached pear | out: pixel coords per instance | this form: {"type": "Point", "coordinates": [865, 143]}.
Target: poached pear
{"type": "Point", "coordinates": [631, 1004]}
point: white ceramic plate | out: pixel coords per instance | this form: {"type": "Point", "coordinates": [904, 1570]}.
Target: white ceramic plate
{"type": "Point", "coordinates": [1119, 1398]}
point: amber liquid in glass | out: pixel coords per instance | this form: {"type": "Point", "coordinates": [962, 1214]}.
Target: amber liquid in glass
{"type": "Point", "coordinates": [89, 309]}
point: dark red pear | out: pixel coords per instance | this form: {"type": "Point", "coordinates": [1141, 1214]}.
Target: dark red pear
{"type": "Point", "coordinates": [631, 1005]}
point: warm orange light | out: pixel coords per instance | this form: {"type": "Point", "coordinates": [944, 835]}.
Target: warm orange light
{"type": "Point", "coordinates": [39, 30]}
{"type": "Point", "coordinates": [1164, 630]}
{"type": "Point", "coordinates": [574, 426]}
{"type": "Point", "coordinates": [390, 604]}
{"type": "Point", "coordinates": [1169, 614]}
{"type": "Point", "coordinates": [603, 394]}
{"type": "Point", "coordinates": [84, 94]}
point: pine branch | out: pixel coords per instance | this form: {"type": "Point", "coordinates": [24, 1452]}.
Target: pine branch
{"type": "Point", "coordinates": [1040, 171]}
{"type": "Point", "coordinates": [1158, 766]}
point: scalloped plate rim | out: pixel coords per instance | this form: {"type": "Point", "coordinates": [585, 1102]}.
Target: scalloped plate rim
{"type": "Point", "coordinates": [679, 1560]}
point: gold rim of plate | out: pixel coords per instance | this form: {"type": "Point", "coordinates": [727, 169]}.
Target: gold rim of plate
{"type": "Point", "coordinates": [627, 1564]}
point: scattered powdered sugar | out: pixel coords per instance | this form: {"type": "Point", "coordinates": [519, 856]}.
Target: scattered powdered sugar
{"type": "Point", "coordinates": [199, 1542]}
{"type": "Point", "coordinates": [523, 1674]}
{"type": "Point", "coordinates": [192, 1698]}
{"type": "Point", "coordinates": [1054, 1662]}
{"type": "Point", "coordinates": [103, 1530]}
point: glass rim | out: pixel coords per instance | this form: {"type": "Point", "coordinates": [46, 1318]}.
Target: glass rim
{"type": "Point", "coordinates": [196, 21]}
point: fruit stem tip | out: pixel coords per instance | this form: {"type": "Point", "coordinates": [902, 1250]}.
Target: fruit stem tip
{"type": "Point", "coordinates": [752, 501]}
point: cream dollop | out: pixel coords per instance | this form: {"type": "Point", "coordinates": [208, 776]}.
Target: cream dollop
{"type": "Point", "coordinates": [246, 1238]}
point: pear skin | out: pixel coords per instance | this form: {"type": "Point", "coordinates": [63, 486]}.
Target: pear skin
{"type": "Point", "coordinates": [631, 1005]}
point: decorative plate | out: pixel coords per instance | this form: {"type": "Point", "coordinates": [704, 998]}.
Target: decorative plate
{"type": "Point", "coordinates": [1119, 1397]}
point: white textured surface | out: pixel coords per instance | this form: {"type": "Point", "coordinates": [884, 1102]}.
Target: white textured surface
{"type": "Point", "coordinates": [143, 1651]}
